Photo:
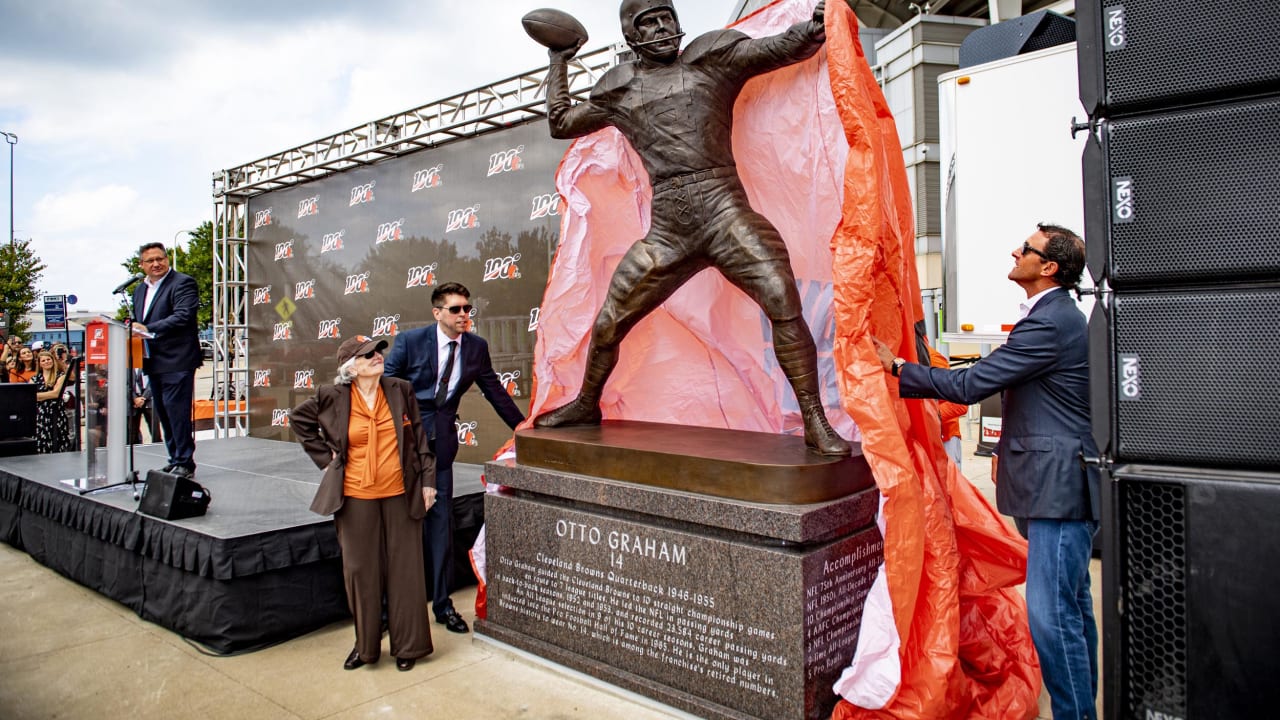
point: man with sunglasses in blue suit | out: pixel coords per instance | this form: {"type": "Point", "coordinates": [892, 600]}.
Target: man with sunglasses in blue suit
{"type": "Point", "coordinates": [1042, 373]}
{"type": "Point", "coordinates": [443, 361]}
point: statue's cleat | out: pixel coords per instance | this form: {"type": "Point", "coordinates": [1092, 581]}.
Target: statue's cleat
{"type": "Point", "coordinates": [577, 412]}
{"type": "Point", "coordinates": [821, 438]}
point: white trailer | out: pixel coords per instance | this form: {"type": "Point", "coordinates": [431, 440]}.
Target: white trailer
{"type": "Point", "coordinates": [1008, 161]}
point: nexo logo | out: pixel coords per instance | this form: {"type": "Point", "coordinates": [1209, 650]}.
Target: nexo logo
{"type": "Point", "coordinates": [502, 268]}
{"type": "Point", "coordinates": [262, 295]}
{"type": "Point", "coordinates": [262, 218]}
{"type": "Point", "coordinates": [304, 379]}
{"type": "Point", "coordinates": [505, 161]}
{"type": "Point", "coordinates": [262, 378]}
{"type": "Point", "coordinates": [329, 329]}
{"type": "Point", "coordinates": [387, 326]}
{"type": "Point", "coordinates": [280, 417]}
{"type": "Point", "coordinates": [284, 250]}
{"type": "Point", "coordinates": [358, 283]}
{"type": "Point", "coordinates": [331, 242]}
{"type": "Point", "coordinates": [544, 206]}
{"type": "Point", "coordinates": [282, 331]}
{"type": "Point", "coordinates": [1115, 28]}
{"type": "Point", "coordinates": [304, 290]}
{"type": "Point", "coordinates": [387, 232]}
{"type": "Point", "coordinates": [310, 206]}
{"type": "Point", "coordinates": [427, 179]}
{"type": "Point", "coordinates": [533, 318]}
{"type": "Point", "coordinates": [422, 276]}
{"type": "Point", "coordinates": [1130, 378]}
{"type": "Point", "coordinates": [463, 218]}
{"type": "Point", "coordinates": [1122, 200]}
{"type": "Point", "coordinates": [362, 193]}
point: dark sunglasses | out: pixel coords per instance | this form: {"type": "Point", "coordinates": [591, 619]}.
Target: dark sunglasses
{"type": "Point", "coordinates": [455, 309]}
{"type": "Point", "coordinates": [369, 355]}
{"type": "Point", "coordinates": [1026, 248]}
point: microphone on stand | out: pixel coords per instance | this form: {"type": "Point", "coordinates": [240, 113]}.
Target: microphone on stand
{"type": "Point", "coordinates": [127, 284]}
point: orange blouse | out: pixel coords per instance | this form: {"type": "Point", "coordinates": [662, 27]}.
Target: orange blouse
{"type": "Point", "coordinates": [21, 377]}
{"type": "Point", "coordinates": [373, 455]}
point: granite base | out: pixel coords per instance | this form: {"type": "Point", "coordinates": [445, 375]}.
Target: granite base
{"type": "Point", "coordinates": [722, 608]}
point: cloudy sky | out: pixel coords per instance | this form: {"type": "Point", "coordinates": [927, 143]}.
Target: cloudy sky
{"type": "Point", "coordinates": [124, 109]}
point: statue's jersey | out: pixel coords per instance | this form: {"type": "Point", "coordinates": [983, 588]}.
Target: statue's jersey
{"type": "Point", "coordinates": [679, 117]}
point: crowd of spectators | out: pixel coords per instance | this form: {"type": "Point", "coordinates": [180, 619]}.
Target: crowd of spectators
{"type": "Point", "coordinates": [54, 370]}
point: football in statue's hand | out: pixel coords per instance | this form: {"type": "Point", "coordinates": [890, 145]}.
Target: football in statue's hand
{"type": "Point", "coordinates": [554, 29]}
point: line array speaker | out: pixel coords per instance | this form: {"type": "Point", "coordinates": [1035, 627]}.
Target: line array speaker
{"type": "Point", "coordinates": [1190, 196]}
{"type": "Point", "coordinates": [1016, 36]}
{"type": "Point", "coordinates": [1136, 55]}
{"type": "Point", "coordinates": [1188, 377]}
{"type": "Point", "coordinates": [1192, 612]}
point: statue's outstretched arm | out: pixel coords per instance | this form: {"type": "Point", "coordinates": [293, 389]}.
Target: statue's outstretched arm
{"type": "Point", "coordinates": [566, 119]}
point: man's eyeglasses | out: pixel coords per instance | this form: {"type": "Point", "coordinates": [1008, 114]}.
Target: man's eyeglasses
{"type": "Point", "coordinates": [1026, 248]}
{"type": "Point", "coordinates": [455, 309]}
{"type": "Point", "coordinates": [369, 355]}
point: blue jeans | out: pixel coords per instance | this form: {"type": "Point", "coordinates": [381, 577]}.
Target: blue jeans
{"type": "Point", "coordinates": [1061, 612]}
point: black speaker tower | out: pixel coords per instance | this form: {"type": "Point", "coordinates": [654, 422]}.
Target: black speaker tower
{"type": "Point", "coordinates": [1182, 208]}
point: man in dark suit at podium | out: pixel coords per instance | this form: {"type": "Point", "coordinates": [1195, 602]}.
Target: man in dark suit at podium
{"type": "Point", "coordinates": [1043, 372]}
{"type": "Point", "coordinates": [164, 311]}
{"type": "Point", "coordinates": [442, 361]}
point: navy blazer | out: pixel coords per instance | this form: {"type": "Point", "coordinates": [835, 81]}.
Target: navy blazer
{"type": "Point", "coordinates": [172, 318]}
{"type": "Point", "coordinates": [415, 356]}
{"type": "Point", "coordinates": [1043, 371]}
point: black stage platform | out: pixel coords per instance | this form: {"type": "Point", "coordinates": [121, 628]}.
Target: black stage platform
{"type": "Point", "coordinates": [257, 569]}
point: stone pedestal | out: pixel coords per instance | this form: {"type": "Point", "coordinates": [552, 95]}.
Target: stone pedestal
{"type": "Point", "coordinates": [723, 608]}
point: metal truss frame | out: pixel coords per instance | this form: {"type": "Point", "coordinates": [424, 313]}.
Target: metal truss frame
{"type": "Point", "coordinates": [230, 318]}
{"type": "Point", "coordinates": [474, 112]}
{"type": "Point", "coordinates": [484, 109]}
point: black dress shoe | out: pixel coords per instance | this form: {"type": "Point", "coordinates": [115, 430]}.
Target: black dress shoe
{"type": "Point", "coordinates": [353, 661]}
{"type": "Point", "coordinates": [405, 664]}
{"type": "Point", "coordinates": [183, 471]}
{"type": "Point", "coordinates": [452, 621]}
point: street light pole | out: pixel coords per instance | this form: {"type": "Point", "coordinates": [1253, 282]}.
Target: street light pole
{"type": "Point", "coordinates": [175, 246]}
{"type": "Point", "coordinates": [12, 140]}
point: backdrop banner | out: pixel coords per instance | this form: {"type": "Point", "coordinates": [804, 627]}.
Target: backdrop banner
{"type": "Point", "coordinates": [359, 252]}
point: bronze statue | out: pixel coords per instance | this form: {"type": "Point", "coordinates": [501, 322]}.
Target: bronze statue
{"type": "Point", "coordinates": [676, 109]}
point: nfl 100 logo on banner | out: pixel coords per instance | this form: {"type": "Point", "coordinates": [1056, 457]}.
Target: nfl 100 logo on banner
{"type": "Point", "coordinates": [502, 268]}
{"type": "Point", "coordinates": [421, 276]}
{"type": "Point", "coordinates": [332, 242]}
{"type": "Point", "coordinates": [505, 161]}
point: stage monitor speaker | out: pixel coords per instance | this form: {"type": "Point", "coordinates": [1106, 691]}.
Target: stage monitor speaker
{"type": "Point", "coordinates": [17, 411]}
{"type": "Point", "coordinates": [1016, 36]}
{"type": "Point", "coordinates": [1190, 196]}
{"type": "Point", "coordinates": [1188, 377]}
{"type": "Point", "coordinates": [1139, 55]}
{"type": "Point", "coordinates": [172, 497]}
{"type": "Point", "coordinates": [1191, 614]}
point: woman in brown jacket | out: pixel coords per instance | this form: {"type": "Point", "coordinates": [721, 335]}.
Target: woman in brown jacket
{"type": "Point", "coordinates": [365, 432]}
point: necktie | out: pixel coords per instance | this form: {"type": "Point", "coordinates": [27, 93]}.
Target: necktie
{"type": "Point", "coordinates": [442, 390]}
